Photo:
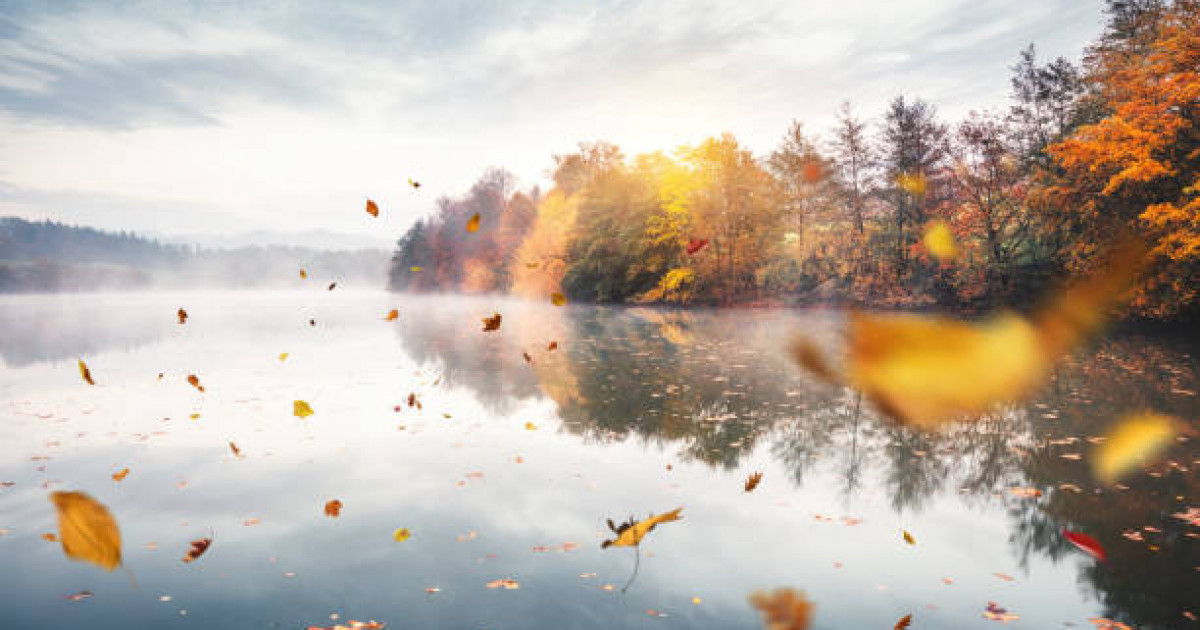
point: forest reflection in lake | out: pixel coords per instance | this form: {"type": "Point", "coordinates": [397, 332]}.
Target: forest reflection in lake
{"type": "Point", "coordinates": [510, 466]}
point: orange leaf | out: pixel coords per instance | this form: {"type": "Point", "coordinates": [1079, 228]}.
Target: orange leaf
{"type": "Point", "coordinates": [372, 209]}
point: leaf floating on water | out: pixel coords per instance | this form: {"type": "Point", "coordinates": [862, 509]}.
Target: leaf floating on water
{"type": "Point", "coordinates": [996, 613]}
{"type": "Point", "coordinates": [939, 240]}
{"type": "Point", "coordinates": [312, 322]}
{"type": "Point", "coordinates": [473, 223]}
{"type": "Point", "coordinates": [491, 323]}
{"type": "Point", "coordinates": [237, 452]}
{"type": "Point", "coordinates": [300, 409]}
{"type": "Point", "coordinates": [528, 359]}
{"type": "Point", "coordinates": [392, 315]}
{"type": "Point", "coordinates": [752, 481]}
{"type": "Point", "coordinates": [784, 609]}
{"type": "Point", "coordinates": [78, 597]}
{"type": "Point", "coordinates": [904, 622]}
{"type": "Point", "coordinates": [194, 381]}
{"type": "Point", "coordinates": [927, 370]}
{"type": "Point", "coordinates": [332, 285]}
{"type": "Point", "coordinates": [414, 183]}
{"type": "Point", "coordinates": [303, 274]}
{"type": "Point", "coordinates": [1136, 439]}
{"type": "Point", "coordinates": [1086, 544]}
{"type": "Point", "coordinates": [333, 509]}
{"type": "Point", "coordinates": [87, 530]}
{"type": "Point", "coordinates": [504, 583]}
{"type": "Point", "coordinates": [531, 265]}
{"type": "Point", "coordinates": [372, 208]}
{"type": "Point", "coordinates": [529, 426]}
{"type": "Point", "coordinates": [558, 299]}
{"type": "Point", "coordinates": [120, 475]}
{"type": "Point", "coordinates": [182, 314]}
{"type": "Point", "coordinates": [552, 347]}
{"type": "Point", "coordinates": [908, 538]}
{"type": "Point", "coordinates": [197, 549]}
{"type": "Point", "coordinates": [695, 245]}
{"type": "Point", "coordinates": [85, 373]}
{"type": "Point", "coordinates": [631, 532]}
{"type": "Point", "coordinates": [401, 535]}
{"type": "Point", "coordinates": [50, 537]}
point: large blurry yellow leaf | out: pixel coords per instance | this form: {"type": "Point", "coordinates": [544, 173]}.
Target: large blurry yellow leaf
{"type": "Point", "coordinates": [473, 223]}
{"type": "Point", "coordinates": [783, 609]}
{"type": "Point", "coordinates": [914, 184]}
{"type": "Point", "coordinates": [1136, 438]}
{"type": "Point", "coordinates": [630, 534]}
{"type": "Point", "coordinates": [939, 240]}
{"type": "Point", "coordinates": [87, 530]}
{"type": "Point", "coordinates": [301, 409]}
{"type": "Point", "coordinates": [85, 373]}
{"type": "Point", "coordinates": [925, 370]}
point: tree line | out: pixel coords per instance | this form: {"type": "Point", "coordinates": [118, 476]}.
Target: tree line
{"type": "Point", "coordinates": [1084, 155]}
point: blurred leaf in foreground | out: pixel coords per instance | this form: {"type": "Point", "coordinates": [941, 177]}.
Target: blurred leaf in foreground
{"type": "Point", "coordinates": [1136, 438]}
{"type": "Point", "coordinates": [87, 530]}
{"type": "Point", "coordinates": [783, 609]}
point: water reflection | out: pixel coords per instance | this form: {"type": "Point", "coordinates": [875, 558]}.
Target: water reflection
{"type": "Point", "coordinates": [636, 411]}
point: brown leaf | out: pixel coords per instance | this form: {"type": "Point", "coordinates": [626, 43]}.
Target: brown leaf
{"type": "Point", "coordinates": [85, 373]}
{"type": "Point", "coordinates": [333, 509]}
{"type": "Point", "coordinates": [182, 314]}
{"type": "Point", "coordinates": [392, 315]}
{"type": "Point", "coordinates": [528, 359]}
{"type": "Point", "coordinates": [87, 530]}
{"type": "Point", "coordinates": [552, 347]}
{"type": "Point", "coordinates": [904, 622]}
{"type": "Point", "coordinates": [783, 609]}
{"type": "Point", "coordinates": [237, 452]}
{"type": "Point", "coordinates": [558, 299]}
{"type": "Point", "coordinates": [197, 549]}
{"type": "Point", "coordinates": [194, 381]}
{"type": "Point", "coordinates": [908, 538]}
{"type": "Point", "coordinates": [414, 183]}
{"type": "Point", "coordinates": [372, 208]}
{"type": "Point", "coordinates": [303, 274]}
{"type": "Point", "coordinates": [332, 285]}
{"type": "Point", "coordinates": [752, 481]}
{"type": "Point", "coordinates": [491, 323]}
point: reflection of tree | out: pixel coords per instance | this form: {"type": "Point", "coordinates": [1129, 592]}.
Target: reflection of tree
{"type": "Point", "coordinates": [714, 386]}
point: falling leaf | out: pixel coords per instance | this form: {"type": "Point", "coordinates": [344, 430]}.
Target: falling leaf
{"type": "Point", "coordinates": [85, 373]}
{"type": "Point", "coordinates": [78, 597]}
{"type": "Point", "coordinates": [196, 549]}
{"type": "Point", "coordinates": [194, 416]}
{"type": "Point", "coordinates": [504, 583]}
{"type": "Point", "coordinates": [904, 622]}
{"type": "Point", "coordinates": [120, 475]}
{"type": "Point", "coordinates": [414, 268]}
{"type": "Point", "coordinates": [908, 538]}
{"type": "Point", "coordinates": [491, 323]}
{"type": "Point", "coordinates": [414, 183]}
{"type": "Point", "coordinates": [332, 285]}
{"type": "Point", "coordinates": [1086, 543]}
{"type": "Point", "coordinates": [939, 240]}
{"type": "Point", "coordinates": [303, 274]}
{"type": "Point", "coordinates": [283, 356]}
{"type": "Point", "coordinates": [1136, 439]}
{"type": "Point", "coordinates": [528, 359]}
{"type": "Point", "coordinates": [372, 208]}
{"type": "Point", "coordinates": [392, 315]}
{"type": "Point", "coordinates": [552, 347]}
{"type": "Point", "coordinates": [49, 537]}
{"type": "Point", "coordinates": [695, 245]}
{"type": "Point", "coordinates": [631, 532]}
{"type": "Point", "coordinates": [529, 426]}
{"type": "Point", "coordinates": [312, 322]}
{"type": "Point", "coordinates": [927, 370]}
{"type": "Point", "coordinates": [412, 400]}
{"type": "Point", "coordinates": [531, 265]}
{"type": "Point", "coordinates": [806, 353]}
{"type": "Point", "coordinates": [237, 452]}
{"type": "Point", "coordinates": [558, 299]}
{"type": "Point", "coordinates": [473, 223]}
{"type": "Point", "coordinates": [912, 183]}
{"type": "Point", "coordinates": [783, 609]}
{"type": "Point", "coordinates": [182, 316]}
{"type": "Point", "coordinates": [87, 530]}
{"type": "Point", "coordinates": [300, 409]}
{"type": "Point", "coordinates": [333, 509]}
{"type": "Point", "coordinates": [194, 381]}
{"type": "Point", "coordinates": [752, 481]}
{"type": "Point", "coordinates": [401, 535]}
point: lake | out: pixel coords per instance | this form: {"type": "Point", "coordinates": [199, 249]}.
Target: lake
{"type": "Point", "coordinates": [506, 468]}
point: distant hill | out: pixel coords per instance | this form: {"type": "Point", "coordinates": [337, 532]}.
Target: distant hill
{"type": "Point", "coordinates": [310, 239]}
{"type": "Point", "coordinates": [51, 256]}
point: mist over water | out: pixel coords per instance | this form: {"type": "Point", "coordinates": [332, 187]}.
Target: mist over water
{"type": "Point", "coordinates": [507, 460]}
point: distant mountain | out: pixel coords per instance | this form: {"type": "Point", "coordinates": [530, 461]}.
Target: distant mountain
{"type": "Point", "coordinates": [313, 239]}
{"type": "Point", "coordinates": [48, 256]}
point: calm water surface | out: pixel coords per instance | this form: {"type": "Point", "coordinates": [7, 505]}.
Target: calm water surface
{"type": "Point", "coordinates": [509, 469]}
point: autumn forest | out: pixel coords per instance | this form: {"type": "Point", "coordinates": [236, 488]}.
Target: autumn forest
{"type": "Point", "coordinates": [899, 208]}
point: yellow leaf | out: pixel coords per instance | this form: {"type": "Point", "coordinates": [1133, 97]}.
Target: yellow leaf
{"type": "Point", "coordinates": [283, 356]}
{"type": "Point", "coordinates": [120, 475]}
{"type": "Point", "coordinates": [414, 268]}
{"type": "Point", "coordinates": [372, 209]}
{"type": "Point", "coordinates": [85, 373]}
{"type": "Point", "coordinates": [912, 183]}
{"type": "Point", "coordinates": [631, 533]}
{"type": "Point", "coordinates": [303, 274]}
{"type": "Point", "coordinates": [392, 315]}
{"type": "Point", "coordinates": [401, 535]}
{"type": "Point", "coordinates": [1136, 439]}
{"type": "Point", "coordinates": [908, 538]}
{"type": "Point", "coordinates": [301, 409]}
{"type": "Point", "coordinates": [87, 530]}
{"type": "Point", "coordinates": [473, 223]}
{"type": "Point", "coordinates": [529, 426]}
{"type": "Point", "coordinates": [784, 609]}
{"type": "Point", "coordinates": [939, 240]}
{"type": "Point", "coordinates": [558, 299]}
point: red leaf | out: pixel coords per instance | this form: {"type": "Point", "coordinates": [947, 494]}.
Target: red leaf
{"type": "Point", "coordinates": [1087, 544]}
{"type": "Point", "coordinates": [696, 245]}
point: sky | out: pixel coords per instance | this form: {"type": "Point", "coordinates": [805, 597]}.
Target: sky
{"type": "Point", "coordinates": [180, 119]}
